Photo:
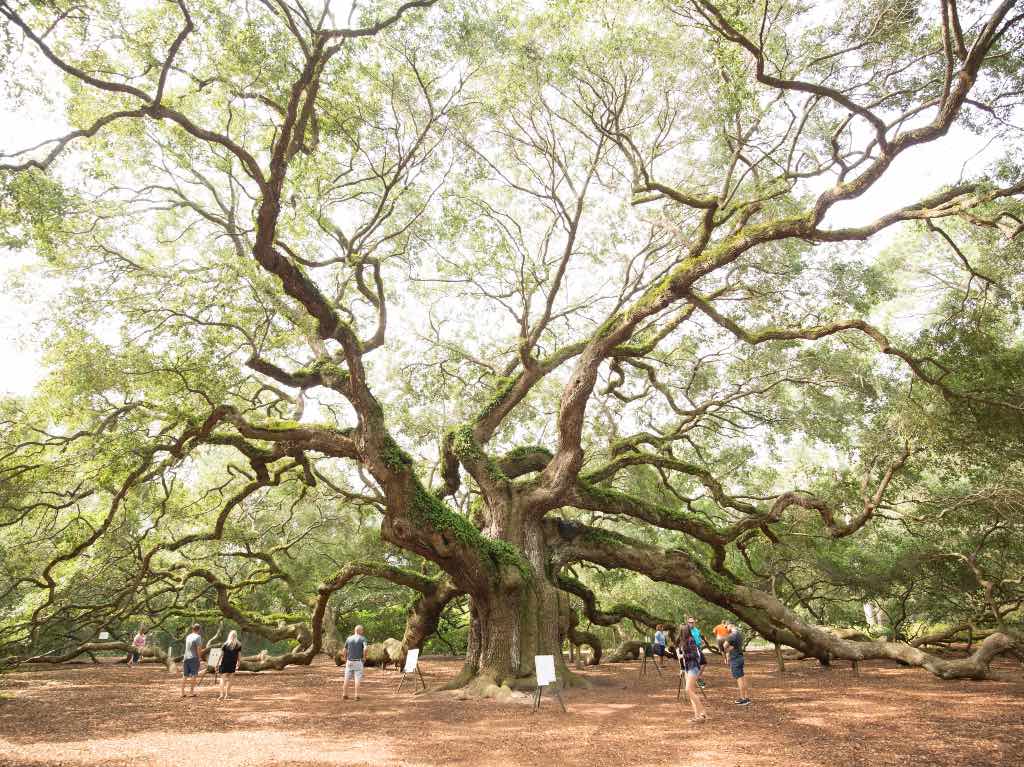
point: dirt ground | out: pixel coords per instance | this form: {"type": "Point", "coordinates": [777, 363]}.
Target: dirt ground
{"type": "Point", "coordinates": [110, 715]}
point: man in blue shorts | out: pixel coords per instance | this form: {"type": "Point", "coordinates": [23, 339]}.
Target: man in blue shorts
{"type": "Point", "coordinates": [190, 662]}
{"type": "Point", "coordinates": [733, 646]}
{"type": "Point", "coordinates": [659, 645]}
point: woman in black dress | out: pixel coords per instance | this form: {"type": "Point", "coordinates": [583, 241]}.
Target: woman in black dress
{"type": "Point", "coordinates": [228, 664]}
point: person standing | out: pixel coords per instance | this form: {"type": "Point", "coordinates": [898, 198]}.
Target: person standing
{"type": "Point", "coordinates": [691, 624]}
{"type": "Point", "coordinates": [733, 645]}
{"type": "Point", "coordinates": [230, 653]}
{"type": "Point", "coordinates": [689, 660]}
{"type": "Point", "coordinates": [355, 650]}
{"type": "Point", "coordinates": [138, 645]}
{"type": "Point", "coordinates": [659, 645]}
{"type": "Point", "coordinates": [190, 661]}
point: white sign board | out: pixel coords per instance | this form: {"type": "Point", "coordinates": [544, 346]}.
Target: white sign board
{"type": "Point", "coordinates": [545, 665]}
{"type": "Point", "coordinates": [213, 660]}
{"type": "Point", "coordinates": [410, 660]}
{"type": "Point", "coordinates": [104, 635]}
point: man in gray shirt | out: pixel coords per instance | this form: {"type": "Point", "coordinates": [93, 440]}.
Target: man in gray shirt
{"type": "Point", "coordinates": [733, 645]}
{"type": "Point", "coordinates": [355, 649]}
{"type": "Point", "coordinates": [190, 662]}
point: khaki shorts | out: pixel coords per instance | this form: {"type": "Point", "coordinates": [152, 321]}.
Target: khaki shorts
{"type": "Point", "coordinates": [354, 668]}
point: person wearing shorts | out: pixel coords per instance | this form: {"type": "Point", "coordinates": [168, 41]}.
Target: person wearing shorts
{"type": "Point", "coordinates": [691, 626]}
{"type": "Point", "coordinates": [689, 660]}
{"type": "Point", "coordinates": [659, 645]}
{"type": "Point", "coordinates": [355, 652]}
{"type": "Point", "coordinates": [734, 647]}
{"type": "Point", "coordinates": [190, 661]}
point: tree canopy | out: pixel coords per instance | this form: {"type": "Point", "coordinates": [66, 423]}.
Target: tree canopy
{"type": "Point", "coordinates": [520, 307]}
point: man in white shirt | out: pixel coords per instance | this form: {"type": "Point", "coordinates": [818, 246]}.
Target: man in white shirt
{"type": "Point", "coordinates": [190, 663]}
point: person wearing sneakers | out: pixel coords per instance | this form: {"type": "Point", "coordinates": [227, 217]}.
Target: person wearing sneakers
{"type": "Point", "coordinates": [733, 646]}
{"type": "Point", "coordinates": [355, 648]}
{"type": "Point", "coordinates": [691, 624]}
{"type": "Point", "coordinates": [689, 659]}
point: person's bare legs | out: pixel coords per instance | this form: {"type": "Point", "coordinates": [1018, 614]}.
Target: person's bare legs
{"type": "Point", "coordinates": [355, 680]}
{"type": "Point", "coordinates": [227, 679]}
{"type": "Point", "coordinates": [694, 695]}
{"type": "Point", "coordinates": [742, 684]}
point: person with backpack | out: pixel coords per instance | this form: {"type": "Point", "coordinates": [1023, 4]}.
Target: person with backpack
{"type": "Point", "coordinates": [691, 625]}
{"type": "Point", "coordinates": [689, 659]}
{"type": "Point", "coordinates": [355, 651]}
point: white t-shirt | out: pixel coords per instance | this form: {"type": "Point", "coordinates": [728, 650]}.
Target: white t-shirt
{"type": "Point", "coordinates": [192, 642]}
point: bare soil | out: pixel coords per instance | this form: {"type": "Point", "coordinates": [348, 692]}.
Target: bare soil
{"type": "Point", "coordinates": [111, 715]}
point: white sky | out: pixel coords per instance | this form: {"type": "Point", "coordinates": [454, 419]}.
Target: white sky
{"type": "Point", "coordinates": [913, 175]}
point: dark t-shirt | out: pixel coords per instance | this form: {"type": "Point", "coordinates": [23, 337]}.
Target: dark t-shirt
{"type": "Point", "coordinates": [354, 647]}
{"type": "Point", "coordinates": [736, 640]}
{"type": "Point", "coordinates": [229, 660]}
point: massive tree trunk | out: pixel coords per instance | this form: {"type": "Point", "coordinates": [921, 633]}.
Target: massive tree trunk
{"type": "Point", "coordinates": [515, 620]}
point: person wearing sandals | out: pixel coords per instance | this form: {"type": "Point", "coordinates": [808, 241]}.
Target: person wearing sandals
{"type": "Point", "coordinates": [659, 645]}
{"type": "Point", "coordinates": [228, 664]}
{"type": "Point", "coordinates": [689, 659]}
{"type": "Point", "coordinates": [190, 660]}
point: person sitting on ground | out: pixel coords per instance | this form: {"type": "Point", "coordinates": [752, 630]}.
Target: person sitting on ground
{"type": "Point", "coordinates": [355, 649]}
{"type": "Point", "coordinates": [190, 661]}
{"type": "Point", "coordinates": [138, 645]}
{"type": "Point", "coordinates": [721, 631]}
{"type": "Point", "coordinates": [659, 645]}
{"type": "Point", "coordinates": [689, 660]}
{"type": "Point", "coordinates": [734, 648]}
{"type": "Point", "coordinates": [230, 652]}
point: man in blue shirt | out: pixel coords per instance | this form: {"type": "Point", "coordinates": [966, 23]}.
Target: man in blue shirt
{"type": "Point", "coordinates": [691, 623]}
{"type": "Point", "coordinates": [659, 645]}
{"type": "Point", "coordinates": [355, 651]}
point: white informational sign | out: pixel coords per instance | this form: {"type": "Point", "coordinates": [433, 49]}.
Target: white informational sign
{"type": "Point", "coordinates": [545, 665]}
{"type": "Point", "coordinates": [410, 660]}
{"type": "Point", "coordinates": [104, 635]}
{"type": "Point", "coordinates": [213, 660]}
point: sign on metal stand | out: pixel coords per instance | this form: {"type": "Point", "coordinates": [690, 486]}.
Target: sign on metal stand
{"type": "Point", "coordinates": [545, 668]}
{"type": "Point", "coordinates": [412, 664]}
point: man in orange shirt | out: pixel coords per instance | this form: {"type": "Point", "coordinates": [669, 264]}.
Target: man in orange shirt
{"type": "Point", "coordinates": [721, 631]}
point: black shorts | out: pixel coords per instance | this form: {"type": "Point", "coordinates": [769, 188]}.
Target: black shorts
{"type": "Point", "coordinates": [658, 649]}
